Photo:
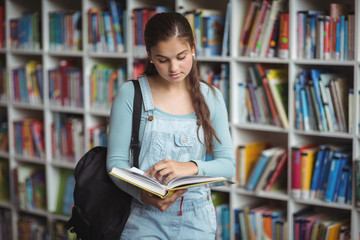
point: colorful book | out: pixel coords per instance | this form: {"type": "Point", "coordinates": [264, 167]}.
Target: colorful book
{"type": "Point", "coordinates": [258, 170]}
{"type": "Point", "coordinates": [247, 157]}
{"type": "Point", "coordinates": [278, 84]}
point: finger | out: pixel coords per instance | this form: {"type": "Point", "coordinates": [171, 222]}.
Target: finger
{"type": "Point", "coordinates": [154, 169]}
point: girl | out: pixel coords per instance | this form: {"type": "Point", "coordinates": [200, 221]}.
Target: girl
{"type": "Point", "coordinates": [182, 119]}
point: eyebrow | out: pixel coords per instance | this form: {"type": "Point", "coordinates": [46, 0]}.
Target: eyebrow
{"type": "Point", "coordinates": [158, 55]}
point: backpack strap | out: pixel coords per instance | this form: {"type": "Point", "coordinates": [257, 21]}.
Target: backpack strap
{"type": "Point", "coordinates": [135, 144]}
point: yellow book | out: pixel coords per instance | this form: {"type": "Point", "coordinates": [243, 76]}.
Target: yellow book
{"type": "Point", "coordinates": [248, 155]}
{"type": "Point", "coordinates": [31, 82]}
{"type": "Point", "coordinates": [307, 160]}
{"type": "Point", "coordinates": [333, 230]}
{"type": "Point", "coordinates": [137, 178]}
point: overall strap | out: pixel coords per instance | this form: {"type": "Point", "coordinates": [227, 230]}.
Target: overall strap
{"type": "Point", "coordinates": [135, 144]}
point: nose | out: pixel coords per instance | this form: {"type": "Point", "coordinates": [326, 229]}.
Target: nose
{"type": "Point", "coordinates": [173, 67]}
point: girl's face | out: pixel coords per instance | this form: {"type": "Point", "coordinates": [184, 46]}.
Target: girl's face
{"type": "Point", "coordinates": [172, 58]}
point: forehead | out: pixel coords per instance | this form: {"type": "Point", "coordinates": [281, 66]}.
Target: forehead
{"type": "Point", "coordinates": [172, 46]}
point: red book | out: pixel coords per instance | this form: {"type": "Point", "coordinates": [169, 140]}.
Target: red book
{"type": "Point", "coordinates": [268, 95]}
{"type": "Point", "coordinates": [296, 169]}
{"type": "Point", "coordinates": [259, 24]}
{"type": "Point", "coordinates": [37, 129]}
{"type": "Point", "coordinates": [278, 170]}
{"type": "Point", "coordinates": [283, 47]}
{"type": "Point", "coordinates": [69, 134]}
{"type": "Point", "coordinates": [250, 17]}
{"type": "Point", "coordinates": [327, 52]}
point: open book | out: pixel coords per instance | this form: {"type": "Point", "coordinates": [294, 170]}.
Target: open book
{"type": "Point", "coordinates": [136, 177]}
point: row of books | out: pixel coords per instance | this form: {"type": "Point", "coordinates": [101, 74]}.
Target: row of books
{"type": "Point", "coordinates": [105, 80]}
{"type": "Point", "coordinates": [66, 85]}
{"type": "Point", "coordinates": [4, 180]}
{"type": "Point", "coordinates": [311, 224]}
{"type": "Point", "coordinates": [218, 76]}
{"type": "Point", "coordinates": [3, 84]}
{"type": "Point", "coordinates": [30, 187]}
{"type": "Point", "coordinates": [321, 98]}
{"type": "Point", "coordinates": [260, 167]}
{"type": "Point", "coordinates": [106, 28]}
{"type": "Point", "coordinates": [29, 138]}
{"type": "Point", "coordinates": [65, 200]}
{"type": "Point", "coordinates": [65, 30]}
{"type": "Point", "coordinates": [25, 31]}
{"type": "Point", "coordinates": [263, 98]}
{"type": "Point", "coordinates": [261, 222]}
{"type": "Point", "coordinates": [4, 137]}
{"type": "Point", "coordinates": [30, 227]}
{"type": "Point", "coordinates": [322, 172]}
{"type": "Point", "coordinates": [28, 83]}
{"type": "Point", "coordinates": [208, 27]}
{"type": "Point", "coordinates": [67, 137]}
{"type": "Point", "coordinates": [140, 17]}
{"type": "Point", "coordinates": [265, 32]}
{"type": "Point", "coordinates": [322, 35]}
{"type": "Point", "coordinates": [5, 224]}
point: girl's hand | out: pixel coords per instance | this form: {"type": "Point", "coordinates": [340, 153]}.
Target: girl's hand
{"type": "Point", "coordinates": [167, 169]}
{"type": "Point", "coordinates": [159, 203]}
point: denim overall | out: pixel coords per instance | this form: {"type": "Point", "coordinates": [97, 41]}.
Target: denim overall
{"type": "Point", "coordinates": [192, 216]}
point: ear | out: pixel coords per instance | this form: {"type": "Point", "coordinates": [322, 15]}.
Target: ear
{"type": "Point", "coordinates": [149, 55]}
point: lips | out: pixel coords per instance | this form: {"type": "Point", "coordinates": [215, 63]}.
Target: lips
{"type": "Point", "coordinates": [175, 75]}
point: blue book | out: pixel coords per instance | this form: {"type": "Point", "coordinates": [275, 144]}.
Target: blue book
{"type": "Point", "coordinates": [337, 40]}
{"type": "Point", "coordinates": [116, 15]}
{"type": "Point", "coordinates": [225, 215]}
{"type": "Point", "coordinates": [315, 76]}
{"type": "Point", "coordinates": [298, 119]}
{"type": "Point", "coordinates": [349, 188]}
{"type": "Point", "coordinates": [237, 223]}
{"type": "Point", "coordinates": [345, 158]}
{"type": "Point", "coordinates": [325, 166]}
{"type": "Point", "coordinates": [332, 177]}
{"type": "Point", "coordinates": [305, 109]}
{"type": "Point", "coordinates": [313, 21]}
{"type": "Point", "coordinates": [263, 160]}
{"type": "Point", "coordinates": [344, 178]}
{"type": "Point", "coordinates": [225, 43]}
{"type": "Point", "coordinates": [109, 35]}
{"type": "Point", "coordinates": [316, 173]}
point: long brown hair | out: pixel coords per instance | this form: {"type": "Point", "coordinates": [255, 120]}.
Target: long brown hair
{"type": "Point", "coordinates": [163, 26]}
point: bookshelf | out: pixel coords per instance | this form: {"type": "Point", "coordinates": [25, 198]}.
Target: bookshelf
{"type": "Point", "coordinates": [90, 117]}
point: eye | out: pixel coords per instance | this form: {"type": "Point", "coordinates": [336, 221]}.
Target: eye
{"type": "Point", "coordinates": [181, 57]}
{"type": "Point", "coordinates": [162, 61]}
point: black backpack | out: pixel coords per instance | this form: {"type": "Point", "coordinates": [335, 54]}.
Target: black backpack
{"type": "Point", "coordinates": [101, 209]}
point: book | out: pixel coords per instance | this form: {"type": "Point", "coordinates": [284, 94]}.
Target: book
{"type": "Point", "coordinates": [307, 160]}
{"type": "Point", "coordinates": [281, 166]}
{"type": "Point", "coordinates": [278, 85]}
{"type": "Point", "coordinates": [248, 154]}
{"type": "Point", "coordinates": [357, 182]}
{"type": "Point", "coordinates": [248, 26]}
{"type": "Point", "coordinates": [283, 46]}
{"type": "Point", "coordinates": [261, 164]}
{"type": "Point", "coordinates": [269, 169]}
{"type": "Point", "coordinates": [136, 177]}
{"type": "Point", "coordinates": [296, 169]}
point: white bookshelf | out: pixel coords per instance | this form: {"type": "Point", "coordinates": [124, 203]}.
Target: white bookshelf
{"type": "Point", "coordinates": [241, 132]}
